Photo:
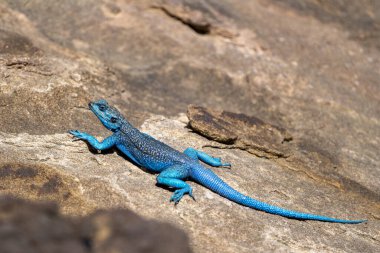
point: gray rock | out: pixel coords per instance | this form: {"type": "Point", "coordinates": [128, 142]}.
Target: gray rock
{"type": "Point", "coordinates": [40, 228]}
{"type": "Point", "coordinates": [314, 76]}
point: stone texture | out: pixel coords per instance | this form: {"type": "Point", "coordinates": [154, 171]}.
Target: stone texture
{"type": "Point", "coordinates": [240, 131]}
{"type": "Point", "coordinates": [302, 66]}
{"type": "Point", "coordinates": [361, 19]}
{"type": "Point", "coordinates": [37, 181]}
{"type": "Point", "coordinates": [32, 227]}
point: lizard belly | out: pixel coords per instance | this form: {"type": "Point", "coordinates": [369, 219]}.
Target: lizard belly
{"type": "Point", "coordinates": [153, 164]}
{"type": "Point", "coordinates": [126, 152]}
{"type": "Point", "coordinates": [147, 162]}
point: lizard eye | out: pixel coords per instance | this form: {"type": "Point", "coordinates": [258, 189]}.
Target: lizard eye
{"type": "Point", "coordinates": [102, 108]}
{"type": "Point", "coordinates": [113, 120]}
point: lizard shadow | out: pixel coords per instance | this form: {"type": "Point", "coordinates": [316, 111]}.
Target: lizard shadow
{"type": "Point", "coordinates": [118, 152]}
{"type": "Point", "coordinates": [111, 151]}
{"type": "Point", "coordinates": [142, 168]}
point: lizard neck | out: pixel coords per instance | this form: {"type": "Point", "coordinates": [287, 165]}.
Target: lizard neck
{"type": "Point", "coordinates": [126, 127]}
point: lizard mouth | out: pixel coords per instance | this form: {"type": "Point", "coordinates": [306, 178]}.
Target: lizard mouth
{"type": "Point", "coordinates": [91, 108]}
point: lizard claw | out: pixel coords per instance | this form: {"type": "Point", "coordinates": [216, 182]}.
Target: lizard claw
{"type": "Point", "coordinates": [178, 194]}
{"type": "Point", "coordinates": [78, 135]}
{"type": "Point", "coordinates": [191, 194]}
{"type": "Point", "coordinates": [226, 165]}
{"type": "Point", "coordinates": [73, 132]}
{"type": "Point", "coordinates": [222, 164]}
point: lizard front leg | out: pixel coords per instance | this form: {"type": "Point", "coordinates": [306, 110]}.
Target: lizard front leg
{"type": "Point", "coordinates": [105, 144]}
{"type": "Point", "coordinates": [174, 177]}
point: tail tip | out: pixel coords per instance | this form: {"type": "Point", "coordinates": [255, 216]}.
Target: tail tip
{"type": "Point", "coordinates": [357, 221]}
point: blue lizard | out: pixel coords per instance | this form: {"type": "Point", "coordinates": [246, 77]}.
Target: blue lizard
{"type": "Point", "coordinates": [175, 167]}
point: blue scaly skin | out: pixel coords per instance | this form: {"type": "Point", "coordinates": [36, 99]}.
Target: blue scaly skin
{"type": "Point", "coordinates": [175, 167]}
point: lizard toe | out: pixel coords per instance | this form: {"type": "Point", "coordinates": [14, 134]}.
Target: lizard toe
{"type": "Point", "coordinates": [178, 194]}
{"type": "Point", "coordinates": [77, 134]}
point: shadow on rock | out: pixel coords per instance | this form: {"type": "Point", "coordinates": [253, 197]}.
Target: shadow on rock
{"type": "Point", "coordinates": [39, 227]}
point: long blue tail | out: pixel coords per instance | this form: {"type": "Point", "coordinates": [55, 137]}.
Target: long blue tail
{"type": "Point", "coordinates": [210, 180]}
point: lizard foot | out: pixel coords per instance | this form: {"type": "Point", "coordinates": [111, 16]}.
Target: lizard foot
{"type": "Point", "coordinates": [226, 165]}
{"type": "Point", "coordinates": [178, 194]}
{"type": "Point", "coordinates": [219, 160]}
{"type": "Point", "coordinates": [78, 135]}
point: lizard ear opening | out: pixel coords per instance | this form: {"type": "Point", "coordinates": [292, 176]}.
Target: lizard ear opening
{"type": "Point", "coordinates": [113, 120]}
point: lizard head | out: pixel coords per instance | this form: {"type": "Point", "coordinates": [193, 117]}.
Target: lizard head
{"type": "Point", "coordinates": [108, 115]}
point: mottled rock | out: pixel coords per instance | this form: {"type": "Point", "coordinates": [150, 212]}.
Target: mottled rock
{"type": "Point", "coordinates": [40, 182]}
{"type": "Point", "coordinates": [32, 227]}
{"type": "Point", "coordinates": [39, 227]}
{"type": "Point", "coordinates": [360, 19]}
{"type": "Point", "coordinates": [242, 131]}
{"type": "Point", "coordinates": [125, 231]}
{"type": "Point", "coordinates": [310, 67]}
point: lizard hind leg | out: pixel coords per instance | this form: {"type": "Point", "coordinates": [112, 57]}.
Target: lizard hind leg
{"type": "Point", "coordinates": [173, 177]}
{"type": "Point", "coordinates": [206, 158]}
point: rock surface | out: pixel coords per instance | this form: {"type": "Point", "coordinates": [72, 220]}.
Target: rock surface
{"type": "Point", "coordinates": [240, 131]}
{"type": "Point", "coordinates": [40, 228]}
{"type": "Point", "coordinates": [310, 67]}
